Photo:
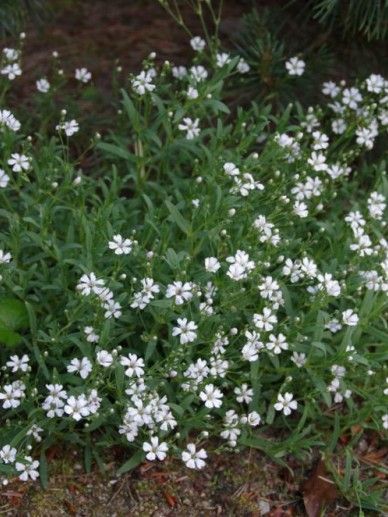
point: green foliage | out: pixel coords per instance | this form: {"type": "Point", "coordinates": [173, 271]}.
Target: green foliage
{"type": "Point", "coordinates": [369, 17]}
{"type": "Point", "coordinates": [14, 13]}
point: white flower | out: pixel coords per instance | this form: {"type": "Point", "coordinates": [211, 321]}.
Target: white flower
{"type": "Point", "coordinates": [77, 407]}
{"type": "Point", "coordinates": [90, 284]}
{"type": "Point", "coordinates": [8, 454]}
{"type": "Point", "coordinates": [222, 59]}
{"type": "Point", "coordinates": [17, 363]}
{"type": "Point", "coordinates": [83, 75]}
{"type": "Point", "coordinates": [154, 449]}
{"type": "Point", "coordinates": [42, 85]}
{"type": "Point", "coordinates": [244, 394]}
{"type": "Point", "coordinates": [7, 119]}
{"type": "Point", "coordinates": [349, 318]}
{"type": "Point", "coordinates": [28, 470]}
{"type": "Point", "coordinates": [182, 292]}
{"type": "Point", "coordinates": [277, 343]}
{"type": "Point", "coordinates": [19, 162]}
{"type": "Point", "coordinates": [266, 320]}
{"type": "Point", "coordinates": [104, 358]}
{"type": "Point", "coordinates": [192, 93]}
{"type": "Point", "coordinates": [11, 71]}
{"type": "Point", "coordinates": [331, 89]}
{"type": "Point", "coordinates": [81, 366]}
{"type": "Point", "coordinates": [198, 73]}
{"type": "Point", "coordinates": [212, 265]}
{"type": "Point", "coordinates": [197, 43]}
{"type": "Point", "coordinates": [120, 245]}
{"type": "Point", "coordinates": [299, 359]}
{"type": "Point", "coordinates": [5, 257]}
{"type": "Point", "coordinates": [186, 330]}
{"type": "Point", "coordinates": [70, 127]}
{"type": "Point", "coordinates": [192, 458]}
{"type": "Point", "coordinates": [384, 418]}
{"type": "Point", "coordinates": [11, 54]}
{"type": "Point", "coordinates": [286, 403]}
{"type": "Point", "coordinates": [142, 83]}
{"type": "Point", "coordinates": [179, 72]}
{"type": "Point", "coordinates": [212, 396]}
{"type": "Point", "coordinates": [91, 335]}
{"type": "Point", "coordinates": [295, 66]}
{"type": "Point", "coordinates": [242, 66]}
{"type": "Point", "coordinates": [375, 83]}
{"type": "Point", "coordinates": [4, 179]}
{"type": "Point", "coordinates": [191, 127]}
{"type": "Point", "coordinates": [351, 97]}
{"type": "Point", "coordinates": [134, 365]}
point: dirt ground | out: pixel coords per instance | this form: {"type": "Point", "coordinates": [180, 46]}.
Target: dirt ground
{"type": "Point", "coordinates": [243, 484]}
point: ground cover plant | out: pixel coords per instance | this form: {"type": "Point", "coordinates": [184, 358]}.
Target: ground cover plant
{"type": "Point", "coordinates": [219, 282]}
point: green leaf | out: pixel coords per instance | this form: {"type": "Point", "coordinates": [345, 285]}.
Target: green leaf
{"type": "Point", "coordinates": [13, 314]}
{"type": "Point", "coordinates": [178, 218]}
{"type": "Point", "coordinates": [9, 337]}
{"type": "Point", "coordinates": [135, 460]}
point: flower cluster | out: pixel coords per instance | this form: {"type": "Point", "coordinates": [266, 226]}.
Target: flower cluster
{"type": "Point", "coordinates": [241, 283]}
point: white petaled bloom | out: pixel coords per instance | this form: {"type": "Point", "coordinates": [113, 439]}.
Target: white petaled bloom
{"type": "Point", "coordinates": [8, 454]}
{"type": "Point", "coordinates": [351, 97]}
{"type": "Point", "coordinates": [349, 318]}
{"type": "Point", "coordinates": [77, 407]}
{"type": "Point", "coordinates": [192, 93]}
{"type": "Point", "coordinates": [277, 343]}
{"type": "Point", "coordinates": [331, 89]}
{"type": "Point", "coordinates": [28, 470]}
{"type": "Point", "coordinates": [134, 365]}
{"type": "Point", "coordinates": [230, 169]}
{"type": "Point", "coordinates": [182, 292]}
{"type": "Point", "coordinates": [198, 73]}
{"type": "Point", "coordinates": [192, 458]}
{"type": "Point", "coordinates": [12, 71]}
{"type": "Point", "coordinates": [186, 330]}
{"type": "Point", "coordinates": [81, 366]}
{"type": "Point", "coordinates": [5, 257]}
{"type": "Point", "coordinates": [222, 59]}
{"type": "Point", "coordinates": [42, 85]}
{"type": "Point", "coordinates": [120, 246]}
{"type": "Point", "coordinates": [83, 75]}
{"type": "Point", "coordinates": [299, 359]}
{"type": "Point", "coordinates": [197, 43]}
{"type": "Point", "coordinates": [7, 119]}
{"type": "Point", "coordinates": [384, 419]}
{"type": "Point", "coordinates": [253, 419]}
{"type": "Point", "coordinates": [70, 127]}
{"type": "Point", "coordinates": [266, 320]}
{"type": "Point", "coordinates": [89, 284]}
{"type": "Point", "coordinates": [286, 403]}
{"type": "Point", "coordinates": [242, 66]}
{"type": "Point", "coordinates": [191, 127]}
{"type": "Point", "coordinates": [211, 396]}
{"type": "Point", "coordinates": [17, 363]}
{"type": "Point", "coordinates": [244, 393]}
{"type": "Point", "coordinates": [19, 162]}
{"type": "Point", "coordinates": [154, 449]}
{"type": "Point", "coordinates": [375, 83]}
{"type": "Point", "coordinates": [91, 335]}
{"type": "Point", "coordinates": [179, 72]}
{"type": "Point", "coordinates": [212, 265]}
{"type": "Point", "coordinates": [12, 394]}
{"type": "Point", "coordinates": [4, 179]}
{"type": "Point", "coordinates": [142, 83]}
{"type": "Point", "coordinates": [295, 66]}
{"type": "Point", "coordinates": [104, 358]}
{"type": "Point", "coordinates": [11, 54]}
